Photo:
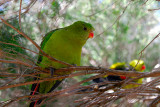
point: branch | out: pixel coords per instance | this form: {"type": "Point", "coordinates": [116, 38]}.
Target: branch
{"type": "Point", "coordinates": [103, 71]}
{"type": "Point", "coordinates": [155, 102]}
{"type": "Point", "coordinates": [16, 62]}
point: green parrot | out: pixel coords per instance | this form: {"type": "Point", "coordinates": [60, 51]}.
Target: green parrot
{"type": "Point", "coordinates": [64, 44]}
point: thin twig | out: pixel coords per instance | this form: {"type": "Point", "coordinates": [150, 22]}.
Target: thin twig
{"type": "Point", "coordinates": [118, 18]}
{"type": "Point", "coordinates": [20, 7]}
{"type": "Point", "coordinates": [35, 44]}
{"type": "Point", "coordinates": [150, 43]}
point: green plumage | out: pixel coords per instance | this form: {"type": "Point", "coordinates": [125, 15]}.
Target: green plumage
{"type": "Point", "coordinates": [64, 44]}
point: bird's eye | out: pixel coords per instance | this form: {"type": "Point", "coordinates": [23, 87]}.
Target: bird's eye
{"type": "Point", "coordinates": [85, 28]}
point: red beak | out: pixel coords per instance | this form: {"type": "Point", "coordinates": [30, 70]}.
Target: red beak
{"type": "Point", "coordinates": [91, 35]}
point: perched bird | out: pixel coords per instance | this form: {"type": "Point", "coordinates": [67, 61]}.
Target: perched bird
{"type": "Point", "coordinates": [137, 66]}
{"type": "Point", "coordinates": [133, 65]}
{"type": "Point", "coordinates": [64, 44]}
{"type": "Point", "coordinates": [116, 66]}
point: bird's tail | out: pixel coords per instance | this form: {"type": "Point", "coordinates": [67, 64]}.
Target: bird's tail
{"type": "Point", "coordinates": [34, 103]}
{"type": "Point", "coordinates": [34, 91]}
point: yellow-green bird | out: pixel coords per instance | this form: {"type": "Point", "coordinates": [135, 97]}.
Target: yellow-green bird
{"type": "Point", "coordinates": [133, 65]}
{"type": "Point", "coordinates": [137, 66]}
{"type": "Point", "coordinates": [115, 66]}
{"type": "Point", "coordinates": [64, 44]}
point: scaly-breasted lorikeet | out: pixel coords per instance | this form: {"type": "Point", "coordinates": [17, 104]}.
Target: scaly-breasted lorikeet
{"type": "Point", "coordinates": [64, 44]}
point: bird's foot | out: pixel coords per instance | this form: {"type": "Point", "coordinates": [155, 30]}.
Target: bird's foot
{"type": "Point", "coordinates": [52, 70]}
{"type": "Point", "coordinates": [74, 65]}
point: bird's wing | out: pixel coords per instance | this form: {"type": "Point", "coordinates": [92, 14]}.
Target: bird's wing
{"type": "Point", "coordinates": [45, 39]}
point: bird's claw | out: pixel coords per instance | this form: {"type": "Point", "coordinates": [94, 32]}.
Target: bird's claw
{"type": "Point", "coordinates": [52, 70]}
{"type": "Point", "coordinates": [74, 65]}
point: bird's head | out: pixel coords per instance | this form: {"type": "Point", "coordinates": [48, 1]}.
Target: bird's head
{"type": "Point", "coordinates": [138, 66]}
{"type": "Point", "coordinates": [81, 31]}
{"type": "Point", "coordinates": [119, 66]}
